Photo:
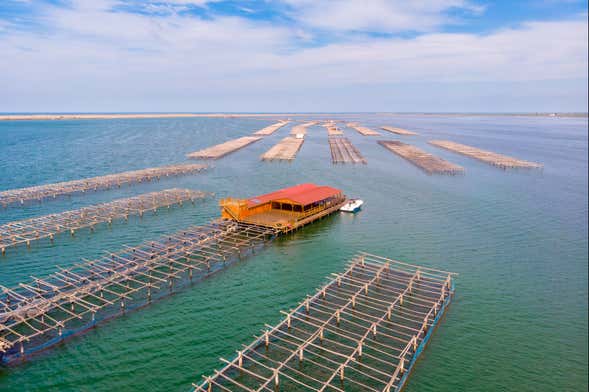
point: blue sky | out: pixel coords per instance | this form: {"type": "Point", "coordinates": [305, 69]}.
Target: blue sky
{"type": "Point", "coordinates": [293, 55]}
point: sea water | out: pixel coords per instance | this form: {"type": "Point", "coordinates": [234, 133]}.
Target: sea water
{"type": "Point", "coordinates": [518, 239]}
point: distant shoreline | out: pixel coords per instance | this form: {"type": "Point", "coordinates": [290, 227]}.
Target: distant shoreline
{"type": "Point", "coordinates": [104, 116]}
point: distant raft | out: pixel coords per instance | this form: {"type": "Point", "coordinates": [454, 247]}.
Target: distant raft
{"type": "Point", "coordinates": [399, 131]}
{"type": "Point", "coordinates": [41, 192]}
{"type": "Point", "coordinates": [502, 161]}
{"type": "Point", "coordinates": [220, 150]}
{"type": "Point", "coordinates": [26, 231]}
{"type": "Point", "coordinates": [363, 130]}
{"type": "Point", "coordinates": [363, 331]}
{"type": "Point", "coordinates": [425, 161]}
{"type": "Point", "coordinates": [301, 129]}
{"type": "Point", "coordinates": [332, 129]}
{"type": "Point", "coordinates": [343, 151]}
{"type": "Point", "coordinates": [285, 150]}
{"type": "Point", "coordinates": [269, 130]}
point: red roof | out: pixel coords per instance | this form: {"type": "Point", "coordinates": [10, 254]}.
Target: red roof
{"type": "Point", "coordinates": [302, 194]}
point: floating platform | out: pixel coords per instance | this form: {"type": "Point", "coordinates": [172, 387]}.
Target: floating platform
{"type": "Point", "coordinates": [362, 331]}
{"type": "Point", "coordinates": [43, 312]}
{"type": "Point", "coordinates": [286, 209]}
{"type": "Point", "coordinates": [343, 151]}
{"type": "Point", "coordinates": [220, 150]}
{"type": "Point", "coordinates": [269, 130]}
{"type": "Point", "coordinates": [399, 131]}
{"type": "Point", "coordinates": [332, 129]}
{"type": "Point", "coordinates": [285, 150]}
{"type": "Point", "coordinates": [363, 130]}
{"type": "Point", "coordinates": [25, 231]}
{"type": "Point", "coordinates": [502, 161]}
{"type": "Point", "coordinates": [41, 192]}
{"type": "Point", "coordinates": [425, 161]}
{"type": "Point", "coordinates": [301, 129]}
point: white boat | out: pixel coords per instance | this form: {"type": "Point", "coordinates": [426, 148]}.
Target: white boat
{"type": "Point", "coordinates": [352, 205]}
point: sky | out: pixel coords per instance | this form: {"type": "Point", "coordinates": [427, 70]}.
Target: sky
{"type": "Point", "coordinates": [293, 56]}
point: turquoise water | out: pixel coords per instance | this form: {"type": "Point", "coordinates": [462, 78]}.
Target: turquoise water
{"type": "Point", "coordinates": [518, 239]}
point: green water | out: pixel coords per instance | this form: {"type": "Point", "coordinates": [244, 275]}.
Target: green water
{"type": "Point", "coordinates": [518, 239]}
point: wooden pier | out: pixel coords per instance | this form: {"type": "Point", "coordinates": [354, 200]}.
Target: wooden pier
{"type": "Point", "coordinates": [332, 129]}
{"type": "Point", "coordinates": [301, 129]}
{"type": "Point", "coordinates": [25, 231]}
{"type": "Point", "coordinates": [285, 150]}
{"type": "Point", "coordinates": [41, 192]}
{"type": "Point", "coordinates": [269, 130]}
{"type": "Point", "coordinates": [220, 150]}
{"type": "Point", "coordinates": [43, 312]}
{"type": "Point", "coordinates": [362, 331]}
{"type": "Point", "coordinates": [502, 161]}
{"type": "Point", "coordinates": [425, 161]}
{"type": "Point", "coordinates": [343, 151]}
{"type": "Point", "coordinates": [363, 130]}
{"type": "Point", "coordinates": [399, 131]}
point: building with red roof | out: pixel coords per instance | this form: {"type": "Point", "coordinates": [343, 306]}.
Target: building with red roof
{"type": "Point", "coordinates": [287, 208]}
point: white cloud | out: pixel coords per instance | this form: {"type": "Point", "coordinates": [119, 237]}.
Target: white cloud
{"type": "Point", "coordinates": [377, 15]}
{"type": "Point", "coordinates": [93, 57]}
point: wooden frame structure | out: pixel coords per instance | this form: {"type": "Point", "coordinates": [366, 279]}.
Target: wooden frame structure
{"type": "Point", "coordinates": [427, 162]}
{"type": "Point", "coordinates": [332, 129]}
{"type": "Point", "coordinates": [302, 128]}
{"type": "Point", "coordinates": [44, 311]}
{"type": "Point", "coordinates": [41, 192]}
{"type": "Point", "coordinates": [343, 151]}
{"type": "Point", "coordinates": [398, 131]}
{"type": "Point", "coordinates": [492, 158]}
{"type": "Point", "coordinates": [28, 230]}
{"type": "Point", "coordinates": [269, 130]}
{"type": "Point", "coordinates": [284, 150]}
{"type": "Point", "coordinates": [220, 150]}
{"type": "Point", "coordinates": [364, 131]}
{"type": "Point", "coordinates": [362, 331]}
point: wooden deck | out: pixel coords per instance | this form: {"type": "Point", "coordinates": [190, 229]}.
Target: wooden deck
{"type": "Point", "coordinates": [285, 150]}
{"type": "Point", "coordinates": [363, 130]}
{"type": "Point", "coordinates": [301, 128]}
{"type": "Point", "coordinates": [362, 331]}
{"type": "Point", "coordinates": [269, 130]}
{"type": "Point", "coordinates": [332, 129]}
{"type": "Point", "coordinates": [286, 221]}
{"type": "Point", "coordinates": [492, 158]}
{"type": "Point", "coordinates": [41, 192]}
{"type": "Point", "coordinates": [220, 150]}
{"type": "Point", "coordinates": [425, 161]}
{"type": "Point", "coordinates": [343, 151]}
{"type": "Point", "coordinates": [399, 131]}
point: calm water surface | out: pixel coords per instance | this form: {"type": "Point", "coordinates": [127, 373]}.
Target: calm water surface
{"type": "Point", "coordinates": [518, 239]}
